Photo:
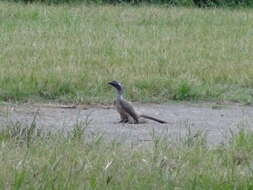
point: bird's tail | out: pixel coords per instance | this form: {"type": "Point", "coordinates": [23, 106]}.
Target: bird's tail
{"type": "Point", "coordinates": [152, 118]}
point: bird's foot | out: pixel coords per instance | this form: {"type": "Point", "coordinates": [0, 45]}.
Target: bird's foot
{"type": "Point", "coordinates": [123, 121]}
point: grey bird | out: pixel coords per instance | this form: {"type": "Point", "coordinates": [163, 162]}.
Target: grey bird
{"type": "Point", "coordinates": [126, 109]}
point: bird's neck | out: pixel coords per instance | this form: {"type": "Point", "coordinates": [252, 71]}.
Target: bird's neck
{"type": "Point", "coordinates": [120, 95]}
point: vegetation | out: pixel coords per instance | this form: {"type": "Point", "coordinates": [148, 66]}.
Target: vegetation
{"type": "Point", "coordinates": [31, 159]}
{"type": "Point", "coordinates": [69, 53]}
{"type": "Point", "coordinates": [224, 3]}
{"type": "Point", "coordinates": [199, 3]}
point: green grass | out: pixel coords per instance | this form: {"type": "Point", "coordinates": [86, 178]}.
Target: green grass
{"type": "Point", "coordinates": [69, 53]}
{"type": "Point", "coordinates": [58, 161]}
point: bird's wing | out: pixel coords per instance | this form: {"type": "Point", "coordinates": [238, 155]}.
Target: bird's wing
{"type": "Point", "coordinates": [127, 106]}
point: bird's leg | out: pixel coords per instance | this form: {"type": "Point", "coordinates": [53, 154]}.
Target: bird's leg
{"type": "Point", "coordinates": [124, 118]}
{"type": "Point", "coordinates": [123, 121]}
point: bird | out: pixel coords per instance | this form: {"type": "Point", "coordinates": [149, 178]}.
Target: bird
{"type": "Point", "coordinates": [126, 109]}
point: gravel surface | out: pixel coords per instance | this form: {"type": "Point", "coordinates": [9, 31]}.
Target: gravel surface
{"type": "Point", "coordinates": [217, 121]}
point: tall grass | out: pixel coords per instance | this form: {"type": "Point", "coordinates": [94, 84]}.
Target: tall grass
{"type": "Point", "coordinates": [58, 161]}
{"type": "Point", "coordinates": [69, 53]}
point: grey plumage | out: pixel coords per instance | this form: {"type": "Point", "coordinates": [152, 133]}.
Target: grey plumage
{"type": "Point", "coordinates": [125, 108]}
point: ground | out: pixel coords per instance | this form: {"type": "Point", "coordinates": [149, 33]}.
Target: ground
{"type": "Point", "coordinates": [218, 122]}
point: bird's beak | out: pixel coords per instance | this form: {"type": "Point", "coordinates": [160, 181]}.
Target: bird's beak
{"type": "Point", "coordinates": [116, 85]}
{"type": "Point", "coordinates": [110, 83]}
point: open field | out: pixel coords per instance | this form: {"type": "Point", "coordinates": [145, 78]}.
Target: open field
{"type": "Point", "coordinates": [68, 53]}
{"type": "Point", "coordinates": [34, 160]}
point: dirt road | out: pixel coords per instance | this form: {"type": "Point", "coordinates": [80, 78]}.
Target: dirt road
{"type": "Point", "coordinates": [217, 121]}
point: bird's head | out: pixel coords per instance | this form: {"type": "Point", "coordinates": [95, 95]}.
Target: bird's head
{"type": "Point", "coordinates": [117, 85]}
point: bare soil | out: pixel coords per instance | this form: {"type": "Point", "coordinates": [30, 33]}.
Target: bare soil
{"type": "Point", "coordinates": [218, 122]}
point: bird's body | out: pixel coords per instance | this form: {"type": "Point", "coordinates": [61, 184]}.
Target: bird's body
{"type": "Point", "coordinates": [126, 109]}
